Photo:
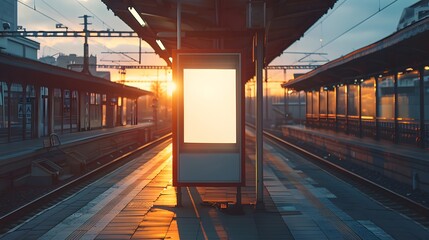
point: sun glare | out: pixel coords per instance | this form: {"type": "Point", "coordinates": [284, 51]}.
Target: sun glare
{"type": "Point", "coordinates": [171, 87]}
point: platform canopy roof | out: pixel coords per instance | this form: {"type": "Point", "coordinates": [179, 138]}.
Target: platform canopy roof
{"type": "Point", "coordinates": [211, 24]}
{"type": "Point", "coordinates": [25, 71]}
{"type": "Point", "coordinates": [402, 50]}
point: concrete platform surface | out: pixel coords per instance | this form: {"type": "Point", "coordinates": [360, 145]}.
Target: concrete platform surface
{"type": "Point", "coordinates": [138, 201]}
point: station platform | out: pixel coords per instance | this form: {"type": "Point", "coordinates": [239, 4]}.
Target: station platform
{"type": "Point", "coordinates": [405, 164]}
{"type": "Point", "coordinates": [138, 201]}
{"type": "Point", "coordinates": [370, 143]}
{"type": "Point", "coordinates": [28, 147]}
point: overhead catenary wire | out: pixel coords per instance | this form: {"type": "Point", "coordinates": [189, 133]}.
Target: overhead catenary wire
{"type": "Point", "coordinates": [325, 17]}
{"type": "Point", "coordinates": [351, 28]}
{"type": "Point", "coordinates": [58, 12]}
{"type": "Point", "coordinates": [40, 12]}
{"type": "Point", "coordinates": [98, 44]}
{"type": "Point", "coordinates": [93, 14]}
{"type": "Point", "coordinates": [105, 24]}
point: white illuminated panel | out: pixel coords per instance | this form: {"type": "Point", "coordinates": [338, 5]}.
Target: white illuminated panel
{"type": "Point", "coordinates": [209, 105]}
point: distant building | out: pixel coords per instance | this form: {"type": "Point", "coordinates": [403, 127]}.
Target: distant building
{"type": "Point", "coordinates": [74, 63]}
{"type": "Point", "coordinates": [414, 13]}
{"type": "Point", "coordinates": [18, 46]}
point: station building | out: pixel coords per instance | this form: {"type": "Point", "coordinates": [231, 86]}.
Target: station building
{"type": "Point", "coordinates": [380, 91]}
{"type": "Point", "coordinates": [38, 99]}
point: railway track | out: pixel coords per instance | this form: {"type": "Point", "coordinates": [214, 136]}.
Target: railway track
{"type": "Point", "coordinates": [19, 215]}
{"type": "Point", "coordinates": [385, 196]}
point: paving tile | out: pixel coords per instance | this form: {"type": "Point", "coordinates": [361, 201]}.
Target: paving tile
{"type": "Point", "coordinates": [148, 235]}
{"type": "Point", "coordinates": [113, 236]}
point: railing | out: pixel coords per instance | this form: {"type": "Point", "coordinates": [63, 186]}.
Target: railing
{"type": "Point", "coordinates": [426, 144]}
{"type": "Point", "coordinates": [332, 123]}
{"type": "Point", "coordinates": [353, 126]}
{"type": "Point", "coordinates": [409, 133]}
{"type": "Point", "coordinates": [369, 128]}
{"type": "Point", "coordinates": [323, 122]}
{"type": "Point", "coordinates": [312, 122]}
{"type": "Point", "coordinates": [386, 130]}
{"type": "Point", "coordinates": [341, 124]}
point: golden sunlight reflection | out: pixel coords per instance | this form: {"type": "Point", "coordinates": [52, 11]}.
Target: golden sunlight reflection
{"type": "Point", "coordinates": [209, 105]}
{"type": "Point", "coordinates": [171, 87]}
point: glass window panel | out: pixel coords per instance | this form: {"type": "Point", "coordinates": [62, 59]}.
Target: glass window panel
{"type": "Point", "coordinates": [409, 96]}
{"type": "Point", "coordinates": [30, 114]}
{"type": "Point", "coordinates": [323, 101]}
{"type": "Point", "coordinates": [3, 113]}
{"type": "Point", "coordinates": [332, 102]}
{"type": "Point", "coordinates": [58, 109]}
{"type": "Point", "coordinates": [426, 94]}
{"type": "Point", "coordinates": [315, 103]}
{"type": "Point", "coordinates": [368, 98]}
{"type": "Point", "coordinates": [92, 98]}
{"type": "Point", "coordinates": [17, 111]}
{"type": "Point", "coordinates": [309, 103]}
{"type": "Point", "coordinates": [341, 103]}
{"type": "Point", "coordinates": [353, 100]}
{"type": "Point", "coordinates": [97, 99]}
{"type": "Point", "coordinates": [386, 97]}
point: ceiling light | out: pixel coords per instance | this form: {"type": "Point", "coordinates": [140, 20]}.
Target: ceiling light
{"type": "Point", "coordinates": [137, 16]}
{"type": "Point", "coordinates": [160, 44]}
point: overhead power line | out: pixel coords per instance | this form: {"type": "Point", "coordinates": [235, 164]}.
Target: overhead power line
{"type": "Point", "coordinates": [325, 17]}
{"type": "Point", "coordinates": [353, 27]}
{"type": "Point", "coordinates": [104, 23]}
{"type": "Point", "coordinates": [359, 23]}
{"type": "Point", "coordinates": [55, 10]}
{"type": "Point", "coordinates": [42, 13]}
{"type": "Point", "coordinates": [58, 22]}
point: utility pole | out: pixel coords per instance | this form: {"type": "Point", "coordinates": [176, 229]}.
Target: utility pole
{"type": "Point", "coordinates": [85, 45]}
{"type": "Point", "coordinates": [85, 34]}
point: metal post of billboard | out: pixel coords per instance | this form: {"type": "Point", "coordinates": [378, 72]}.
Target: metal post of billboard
{"type": "Point", "coordinates": [259, 116]}
{"type": "Point", "coordinates": [179, 22]}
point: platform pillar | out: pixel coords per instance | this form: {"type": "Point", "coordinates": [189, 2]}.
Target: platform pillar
{"type": "Point", "coordinates": [377, 109]}
{"type": "Point", "coordinates": [259, 120]}
{"type": "Point", "coordinates": [51, 110]}
{"type": "Point", "coordinates": [422, 108]}
{"type": "Point", "coordinates": [396, 112]}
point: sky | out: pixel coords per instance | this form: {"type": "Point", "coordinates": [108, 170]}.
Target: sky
{"type": "Point", "coordinates": [334, 35]}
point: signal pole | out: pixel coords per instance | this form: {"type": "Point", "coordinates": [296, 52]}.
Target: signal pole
{"type": "Point", "coordinates": [85, 24]}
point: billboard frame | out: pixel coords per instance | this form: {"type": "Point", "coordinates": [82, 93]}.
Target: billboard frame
{"type": "Point", "coordinates": [185, 153]}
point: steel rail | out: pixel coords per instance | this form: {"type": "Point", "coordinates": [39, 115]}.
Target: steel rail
{"type": "Point", "coordinates": [418, 207]}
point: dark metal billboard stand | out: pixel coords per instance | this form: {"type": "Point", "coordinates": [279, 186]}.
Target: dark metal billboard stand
{"type": "Point", "coordinates": [238, 206]}
{"type": "Point", "coordinates": [179, 197]}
